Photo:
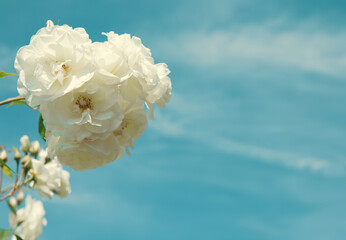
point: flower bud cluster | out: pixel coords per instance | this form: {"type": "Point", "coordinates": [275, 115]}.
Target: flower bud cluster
{"type": "Point", "coordinates": [38, 172]}
{"type": "Point", "coordinates": [92, 95]}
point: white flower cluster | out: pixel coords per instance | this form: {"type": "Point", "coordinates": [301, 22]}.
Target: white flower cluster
{"type": "Point", "coordinates": [45, 175]}
{"type": "Point", "coordinates": [29, 220]}
{"type": "Point", "coordinates": [49, 177]}
{"type": "Point", "coordinates": [91, 95]}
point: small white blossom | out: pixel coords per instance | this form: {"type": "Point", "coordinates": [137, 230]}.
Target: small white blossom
{"type": "Point", "coordinates": [26, 161]}
{"type": "Point", "coordinates": [62, 177]}
{"type": "Point", "coordinates": [13, 202]}
{"type": "Point", "coordinates": [17, 155]}
{"type": "Point", "coordinates": [43, 182]}
{"type": "Point", "coordinates": [3, 155]}
{"type": "Point", "coordinates": [25, 143]}
{"type": "Point", "coordinates": [20, 196]}
{"type": "Point", "coordinates": [49, 178]}
{"type": "Point", "coordinates": [31, 219]}
{"type": "Point", "coordinates": [35, 147]}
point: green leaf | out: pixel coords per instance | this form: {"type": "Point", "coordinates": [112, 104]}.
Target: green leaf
{"type": "Point", "coordinates": [4, 234]}
{"type": "Point", "coordinates": [5, 74]}
{"type": "Point", "coordinates": [18, 102]}
{"type": "Point", "coordinates": [7, 171]}
{"type": "Point", "coordinates": [2, 163]}
{"type": "Point", "coordinates": [41, 128]}
{"type": "Point", "coordinates": [18, 238]}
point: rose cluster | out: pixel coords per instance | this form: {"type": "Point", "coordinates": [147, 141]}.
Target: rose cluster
{"type": "Point", "coordinates": [92, 95]}
{"type": "Point", "coordinates": [38, 172]}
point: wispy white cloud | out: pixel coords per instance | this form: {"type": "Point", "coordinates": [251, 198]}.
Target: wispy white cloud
{"type": "Point", "coordinates": [302, 47]}
{"type": "Point", "coordinates": [185, 124]}
{"type": "Point", "coordinates": [271, 155]}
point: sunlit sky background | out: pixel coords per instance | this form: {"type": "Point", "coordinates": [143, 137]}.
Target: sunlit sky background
{"type": "Point", "coordinates": [252, 144]}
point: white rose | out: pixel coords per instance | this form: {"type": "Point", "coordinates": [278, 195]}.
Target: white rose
{"type": "Point", "coordinates": [111, 62]}
{"type": "Point", "coordinates": [61, 176]}
{"type": "Point", "coordinates": [88, 110]}
{"type": "Point", "coordinates": [45, 180]}
{"type": "Point", "coordinates": [138, 58]}
{"type": "Point", "coordinates": [49, 177]}
{"type": "Point", "coordinates": [54, 165]}
{"type": "Point", "coordinates": [133, 124]}
{"type": "Point", "coordinates": [57, 60]}
{"type": "Point", "coordinates": [86, 154]}
{"type": "Point", "coordinates": [155, 85]}
{"type": "Point", "coordinates": [32, 218]}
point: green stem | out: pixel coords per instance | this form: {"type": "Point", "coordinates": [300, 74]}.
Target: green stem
{"type": "Point", "coordinates": [28, 180]}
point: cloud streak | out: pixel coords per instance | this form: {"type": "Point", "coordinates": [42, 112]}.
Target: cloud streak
{"type": "Point", "coordinates": [301, 48]}
{"type": "Point", "coordinates": [185, 125]}
{"type": "Point", "coordinates": [271, 156]}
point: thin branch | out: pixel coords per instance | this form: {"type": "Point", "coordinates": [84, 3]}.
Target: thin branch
{"type": "Point", "coordinates": [16, 186]}
{"type": "Point", "coordinates": [9, 100]}
{"type": "Point", "coordinates": [6, 189]}
{"type": "Point", "coordinates": [7, 195]}
{"type": "Point", "coordinates": [0, 178]}
{"type": "Point", "coordinates": [17, 168]}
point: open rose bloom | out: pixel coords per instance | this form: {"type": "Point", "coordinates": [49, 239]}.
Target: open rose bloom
{"type": "Point", "coordinates": [95, 98]}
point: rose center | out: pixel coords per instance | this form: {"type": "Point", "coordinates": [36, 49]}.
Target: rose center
{"type": "Point", "coordinates": [84, 103]}
{"type": "Point", "coordinates": [65, 67]}
{"type": "Point", "coordinates": [60, 70]}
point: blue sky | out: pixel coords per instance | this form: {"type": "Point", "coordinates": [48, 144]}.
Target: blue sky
{"type": "Point", "coordinates": [252, 144]}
